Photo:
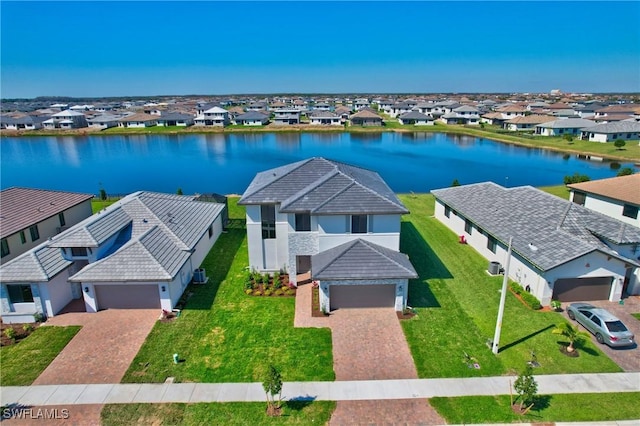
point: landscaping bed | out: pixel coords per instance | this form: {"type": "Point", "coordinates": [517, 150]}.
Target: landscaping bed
{"type": "Point", "coordinates": [266, 284]}
{"type": "Point", "coordinates": [14, 333]}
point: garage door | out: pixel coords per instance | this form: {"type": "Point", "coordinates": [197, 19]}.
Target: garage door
{"type": "Point", "coordinates": [362, 296]}
{"type": "Point", "coordinates": [582, 289]}
{"type": "Point", "coordinates": [127, 296]}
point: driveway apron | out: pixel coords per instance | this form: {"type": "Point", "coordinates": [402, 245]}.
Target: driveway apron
{"type": "Point", "coordinates": [368, 344]}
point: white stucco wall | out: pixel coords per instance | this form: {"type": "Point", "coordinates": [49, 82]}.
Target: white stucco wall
{"type": "Point", "coordinates": [608, 207]}
{"type": "Point", "coordinates": [56, 294]}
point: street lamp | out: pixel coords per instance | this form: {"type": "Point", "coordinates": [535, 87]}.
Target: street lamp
{"type": "Point", "coordinates": [503, 297]}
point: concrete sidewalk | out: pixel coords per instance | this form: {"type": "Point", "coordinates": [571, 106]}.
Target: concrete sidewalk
{"type": "Point", "coordinates": [327, 391]}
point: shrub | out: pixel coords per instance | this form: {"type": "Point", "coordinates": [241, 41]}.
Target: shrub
{"type": "Point", "coordinates": [10, 333]}
{"type": "Point", "coordinates": [248, 285]}
{"type": "Point", "coordinates": [568, 138]}
{"type": "Point", "coordinates": [625, 171]}
{"type": "Point", "coordinates": [28, 328]}
{"type": "Point", "coordinates": [278, 292]}
{"type": "Point", "coordinates": [515, 287]}
{"type": "Point", "coordinates": [619, 144]}
{"type": "Point", "coordinates": [248, 291]}
{"type": "Point", "coordinates": [39, 317]}
{"type": "Point", "coordinates": [576, 178]}
{"type": "Point", "coordinates": [528, 298]}
{"type": "Point", "coordinates": [267, 292]}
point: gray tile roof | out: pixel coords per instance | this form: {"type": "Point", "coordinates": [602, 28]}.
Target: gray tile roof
{"type": "Point", "coordinates": [23, 207]}
{"type": "Point", "coordinates": [559, 229]}
{"type": "Point", "coordinates": [360, 259]}
{"type": "Point", "coordinates": [615, 127]}
{"type": "Point", "coordinates": [567, 123]}
{"type": "Point", "coordinates": [321, 186]}
{"type": "Point", "coordinates": [252, 115]}
{"type": "Point", "coordinates": [414, 115]}
{"type": "Point", "coordinates": [164, 228]}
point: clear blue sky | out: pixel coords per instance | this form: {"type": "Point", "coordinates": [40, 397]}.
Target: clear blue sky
{"type": "Point", "coordinates": [153, 48]}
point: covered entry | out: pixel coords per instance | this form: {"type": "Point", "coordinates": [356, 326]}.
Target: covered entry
{"type": "Point", "coordinates": [127, 296]}
{"type": "Point", "coordinates": [582, 289]}
{"type": "Point", "coordinates": [362, 296]}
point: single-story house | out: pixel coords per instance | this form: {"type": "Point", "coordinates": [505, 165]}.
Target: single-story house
{"type": "Point", "coordinates": [324, 118]}
{"type": "Point", "coordinates": [610, 132]}
{"type": "Point", "coordinates": [560, 250]}
{"type": "Point", "coordinates": [365, 117]}
{"type": "Point", "coordinates": [175, 119]}
{"type": "Point", "coordinates": [138, 120]}
{"type": "Point", "coordinates": [252, 118]}
{"type": "Point", "coordinates": [563, 126]}
{"type": "Point", "coordinates": [616, 197]}
{"type": "Point", "coordinates": [140, 252]}
{"type": "Point", "coordinates": [527, 122]}
{"type": "Point", "coordinates": [104, 121]}
{"type": "Point", "coordinates": [416, 118]}
{"type": "Point", "coordinates": [336, 222]}
{"type": "Point", "coordinates": [25, 122]}
{"type": "Point", "coordinates": [30, 216]}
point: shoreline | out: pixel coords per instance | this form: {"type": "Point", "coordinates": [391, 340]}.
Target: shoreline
{"type": "Point", "coordinates": [439, 128]}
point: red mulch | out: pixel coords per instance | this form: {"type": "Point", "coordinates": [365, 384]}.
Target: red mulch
{"type": "Point", "coordinates": [20, 333]}
{"type": "Point", "coordinates": [405, 315]}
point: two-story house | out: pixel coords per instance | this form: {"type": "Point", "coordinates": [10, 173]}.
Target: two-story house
{"type": "Point", "coordinates": [214, 116]}
{"type": "Point", "coordinates": [140, 252]}
{"type": "Point", "coordinates": [30, 216]}
{"type": "Point", "coordinates": [340, 223]}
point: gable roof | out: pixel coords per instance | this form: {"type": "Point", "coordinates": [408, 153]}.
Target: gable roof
{"type": "Point", "coordinates": [414, 115]}
{"type": "Point", "coordinates": [22, 207]}
{"type": "Point", "coordinates": [622, 188]}
{"type": "Point", "coordinates": [322, 186]}
{"type": "Point", "coordinates": [615, 127]}
{"type": "Point", "coordinates": [567, 123]}
{"type": "Point", "coordinates": [252, 115]}
{"type": "Point", "coordinates": [141, 116]}
{"type": "Point", "coordinates": [559, 230]}
{"type": "Point", "coordinates": [366, 113]}
{"type": "Point", "coordinates": [360, 259]}
{"type": "Point", "coordinates": [162, 230]}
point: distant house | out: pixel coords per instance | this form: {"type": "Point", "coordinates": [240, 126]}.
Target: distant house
{"type": "Point", "coordinates": [617, 197]}
{"type": "Point", "coordinates": [611, 132]}
{"type": "Point", "coordinates": [138, 120]}
{"type": "Point", "coordinates": [324, 118]}
{"type": "Point", "coordinates": [252, 118]}
{"type": "Point", "coordinates": [343, 112]}
{"type": "Point", "coordinates": [560, 250]}
{"type": "Point", "coordinates": [463, 114]}
{"type": "Point", "coordinates": [175, 119]}
{"type": "Point", "coordinates": [366, 118]}
{"type": "Point", "coordinates": [527, 122]}
{"type": "Point", "coordinates": [140, 252]}
{"type": "Point", "coordinates": [214, 116]}
{"type": "Point", "coordinates": [361, 103]}
{"type": "Point", "coordinates": [400, 108]}
{"type": "Point", "coordinates": [30, 216]}
{"type": "Point", "coordinates": [25, 122]}
{"type": "Point", "coordinates": [511, 111]}
{"type": "Point", "coordinates": [416, 118]}
{"type": "Point", "coordinates": [66, 119]}
{"type": "Point", "coordinates": [563, 126]}
{"type": "Point", "coordinates": [286, 117]}
{"type": "Point", "coordinates": [103, 121]}
{"type": "Point", "coordinates": [303, 217]}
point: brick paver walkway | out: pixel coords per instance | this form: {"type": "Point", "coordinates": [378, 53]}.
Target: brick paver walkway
{"type": "Point", "coordinates": [368, 344]}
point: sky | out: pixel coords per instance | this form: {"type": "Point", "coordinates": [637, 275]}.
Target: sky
{"type": "Point", "coordinates": [125, 48]}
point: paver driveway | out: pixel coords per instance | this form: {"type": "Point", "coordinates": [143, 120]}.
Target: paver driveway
{"type": "Point", "coordinates": [102, 350]}
{"type": "Point", "coordinates": [627, 358]}
{"type": "Point", "coordinates": [368, 344]}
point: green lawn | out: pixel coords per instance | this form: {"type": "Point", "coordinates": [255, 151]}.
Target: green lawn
{"type": "Point", "coordinates": [23, 362]}
{"type": "Point", "coordinates": [559, 191]}
{"type": "Point", "coordinates": [636, 315]}
{"type": "Point", "coordinates": [226, 336]}
{"type": "Point", "coordinates": [551, 408]}
{"type": "Point", "coordinates": [457, 304]}
{"type": "Point", "coordinates": [98, 204]}
{"type": "Point", "coordinates": [233, 413]}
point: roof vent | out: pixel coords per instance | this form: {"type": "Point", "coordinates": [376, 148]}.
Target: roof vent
{"type": "Point", "coordinates": [144, 220]}
{"type": "Point", "coordinates": [533, 247]}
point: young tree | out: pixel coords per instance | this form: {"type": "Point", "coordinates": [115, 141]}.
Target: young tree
{"type": "Point", "coordinates": [527, 388]}
{"type": "Point", "coordinates": [273, 386]}
{"type": "Point", "coordinates": [619, 144]}
{"type": "Point", "coordinates": [455, 183]}
{"type": "Point", "coordinates": [571, 332]}
{"type": "Point", "coordinates": [625, 171]}
{"type": "Point", "coordinates": [179, 191]}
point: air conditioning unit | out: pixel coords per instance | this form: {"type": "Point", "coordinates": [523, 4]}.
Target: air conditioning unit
{"type": "Point", "coordinates": [200, 276]}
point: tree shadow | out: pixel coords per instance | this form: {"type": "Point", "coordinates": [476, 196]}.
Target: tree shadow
{"type": "Point", "coordinates": [299, 402]}
{"type": "Point", "coordinates": [426, 263]}
{"type": "Point", "coordinates": [540, 403]}
{"type": "Point", "coordinates": [525, 338]}
{"type": "Point", "coordinates": [217, 265]}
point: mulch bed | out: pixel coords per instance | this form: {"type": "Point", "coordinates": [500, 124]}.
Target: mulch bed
{"type": "Point", "coordinates": [21, 333]}
{"type": "Point", "coordinates": [563, 349]}
{"type": "Point", "coordinates": [315, 303]}
{"type": "Point", "coordinates": [405, 315]}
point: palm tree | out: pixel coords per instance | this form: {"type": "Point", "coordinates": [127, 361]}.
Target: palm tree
{"type": "Point", "coordinates": [571, 332]}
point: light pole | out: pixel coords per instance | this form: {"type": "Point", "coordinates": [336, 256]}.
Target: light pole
{"type": "Point", "coordinates": [503, 297]}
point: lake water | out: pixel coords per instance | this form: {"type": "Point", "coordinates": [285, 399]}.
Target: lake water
{"type": "Point", "coordinates": [226, 163]}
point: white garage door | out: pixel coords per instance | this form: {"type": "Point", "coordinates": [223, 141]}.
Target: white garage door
{"type": "Point", "coordinates": [127, 296]}
{"type": "Point", "coordinates": [362, 296]}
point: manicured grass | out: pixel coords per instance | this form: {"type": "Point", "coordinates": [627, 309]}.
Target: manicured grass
{"type": "Point", "coordinates": [457, 304]}
{"type": "Point", "coordinates": [559, 191]}
{"type": "Point", "coordinates": [138, 130]}
{"type": "Point", "coordinates": [226, 336]}
{"type": "Point", "coordinates": [23, 362]}
{"type": "Point", "coordinates": [231, 413]}
{"type": "Point", "coordinates": [636, 316]}
{"type": "Point", "coordinates": [97, 204]}
{"type": "Point", "coordinates": [552, 408]}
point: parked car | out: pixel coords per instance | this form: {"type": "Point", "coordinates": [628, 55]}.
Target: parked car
{"type": "Point", "coordinates": [601, 323]}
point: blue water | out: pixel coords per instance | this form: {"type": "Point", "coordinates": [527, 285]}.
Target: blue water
{"type": "Point", "coordinates": [226, 163]}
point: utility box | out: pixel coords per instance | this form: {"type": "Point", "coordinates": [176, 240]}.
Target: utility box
{"type": "Point", "coordinates": [494, 268]}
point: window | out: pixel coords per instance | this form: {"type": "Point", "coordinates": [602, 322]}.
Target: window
{"type": "Point", "coordinates": [210, 231]}
{"type": "Point", "coordinates": [20, 293]}
{"type": "Point", "coordinates": [630, 211]}
{"type": "Point", "coordinates": [359, 224]}
{"type": "Point", "coordinates": [23, 239]}
{"type": "Point", "coordinates": [447, 211]}
{"type": "Point", "coordinates": [78, 251]}
{"type": "Point", "coordinates": [5, 247]}
{"type": "Point", "coordinates": [579, 197]}
{"type": "Point", "coordinates": [303, 222]}
{"type": "Point", "coordinates": [596, 320]}
{"type": "Point", "coordinates": [491, 243]}
{"type": "Point", "coordinates": [35, 235]}
{"type": "Point", "coordinates": [468, 226]}
{"type": "Point", "coordinates": [61, 218]}
{"type": "Point", "coordinates": [268, 215]}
